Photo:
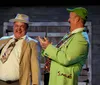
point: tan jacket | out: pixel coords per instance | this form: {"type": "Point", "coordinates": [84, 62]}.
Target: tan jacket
{"type": "Point", "coordinates": [29, 67]}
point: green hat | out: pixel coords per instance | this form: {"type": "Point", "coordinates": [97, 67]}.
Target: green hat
{"type": "Point", "coordinates": [80, 11]}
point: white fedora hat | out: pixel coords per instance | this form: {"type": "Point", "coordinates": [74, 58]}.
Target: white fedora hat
{"type": "Point", "coordinates": [20, 18]}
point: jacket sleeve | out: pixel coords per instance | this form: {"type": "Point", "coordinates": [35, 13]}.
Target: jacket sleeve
{"type": "Point", "coordinates": [76, 51]}
{"type": "Point", "coordinates": [35, 65]}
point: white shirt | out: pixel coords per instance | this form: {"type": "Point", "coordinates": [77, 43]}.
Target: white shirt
{"type": "Point", "coordinates": [10, 69]}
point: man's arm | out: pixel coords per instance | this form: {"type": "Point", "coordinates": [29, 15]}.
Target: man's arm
{"type": "Point", "coordinates": [69, 54]}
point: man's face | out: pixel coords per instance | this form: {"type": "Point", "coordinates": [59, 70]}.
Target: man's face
{"type": "Point", "coordinates": [19, 29]}
{"type": "Point", "coordinates": [72, 18]}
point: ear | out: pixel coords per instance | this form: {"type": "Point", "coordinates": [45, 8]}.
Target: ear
{"type": "Point", "coordinates": [77, 19]}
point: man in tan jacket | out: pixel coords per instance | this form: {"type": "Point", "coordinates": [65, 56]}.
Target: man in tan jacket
{"type": "Point", "coordinates": [21, 67]}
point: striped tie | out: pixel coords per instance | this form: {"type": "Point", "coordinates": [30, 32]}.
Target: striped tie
{"type": "Point", "coordinates": [8, 51]}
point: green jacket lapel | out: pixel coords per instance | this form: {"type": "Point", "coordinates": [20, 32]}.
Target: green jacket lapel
{"type": "Point", "coordinates": [67, 40]}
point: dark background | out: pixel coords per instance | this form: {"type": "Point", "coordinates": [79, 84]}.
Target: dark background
{"type": "Point", "coordinates": [49, 3]}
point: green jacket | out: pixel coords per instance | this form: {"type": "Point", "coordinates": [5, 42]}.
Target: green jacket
{"type": "Point", "coordinates": [68, 59]}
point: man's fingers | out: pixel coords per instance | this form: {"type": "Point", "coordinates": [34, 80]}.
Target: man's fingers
{"type": "Point", "coordinates": [46, 39]}
{"type": "Point", "coordinates": [39, 38]}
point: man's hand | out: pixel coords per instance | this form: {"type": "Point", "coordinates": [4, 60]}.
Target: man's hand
{"type": "Point", "coordinates": [44, 42]}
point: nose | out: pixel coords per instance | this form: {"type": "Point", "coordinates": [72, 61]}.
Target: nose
{"type": "Point", "coordinates": [19, 28]}
{"type": "Point", "coordinates": [68, 20]}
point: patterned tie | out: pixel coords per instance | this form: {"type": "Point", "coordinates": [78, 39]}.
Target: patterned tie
{"type": "Point", "coordinates": [48, 60]}
{"type": "Point", "coordinates": [8, 51]}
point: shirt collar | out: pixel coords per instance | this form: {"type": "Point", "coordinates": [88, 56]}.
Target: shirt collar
{"type": "Point", "coordinates": [24, 37]}
{"type": "Point", "coordinates": [74, 31]}
{"type": "Point", "coordinates": [77, 30]}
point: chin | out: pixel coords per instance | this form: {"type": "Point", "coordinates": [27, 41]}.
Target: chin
{"type": "Point", "coordinates": [17, 37]}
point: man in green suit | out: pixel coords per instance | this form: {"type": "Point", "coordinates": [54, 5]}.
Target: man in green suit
{"type": "Point", "coordinates": [68, 58]}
